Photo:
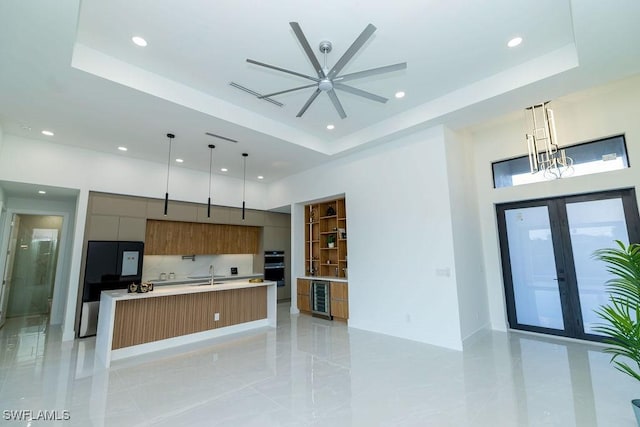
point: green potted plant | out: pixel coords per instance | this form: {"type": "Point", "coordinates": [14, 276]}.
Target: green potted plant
{"type": "Point", "coordinates": [621, 315]}
{"type": "Point", "coordinates": [331, 240]}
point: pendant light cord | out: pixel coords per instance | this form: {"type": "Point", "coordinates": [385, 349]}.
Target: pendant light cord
{"type": "Point", "coordinates": [211, 147]}
{"type": "Point", "coordinates": [244, 182]}
{"type": "Point", "coordinates": [210, 166]}
{"type": "Point", "coordinates": [244, 178]}
{"type": "Point", "coordinates": [169, 161]}
{"type": "Point", "coordinates": [166, 194]}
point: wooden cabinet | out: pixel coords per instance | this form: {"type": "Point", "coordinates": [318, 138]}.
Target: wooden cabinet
{"type": "Point", "coordinates": [177, 211]}
{"type": "Point", "coordinates": [304, 295]}
{"type": "Point", "coordinates": [115, 217]}
{"type": "Point", "coordinates": [326, 239]}
{"type": "Point", "coordinates": [340, 300]}
{"type": "Point", "coordinates": [186, 238]}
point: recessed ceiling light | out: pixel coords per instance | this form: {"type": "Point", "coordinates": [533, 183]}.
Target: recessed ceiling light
{"type": "Point", "coordinates": [223, 169]}
{"type": "Point", "coordinates": [139, 41]}
{"type": "Point", "coordinates": [514, 42]}
{"type": "Point", "coordinates": [400, 94]}
{"type": "Point", "coordinates": [260, 177]}
{"type": "Point", "coordinates": [122, 148]}
{"type": "Point", "coordinates": [179, 160]}
{"type": "Point", "coordinates": [47, 132]}
{"type": "Point", "coordinates": [42, 192]}
{"type": "Point", "coordinates": [331, 127]}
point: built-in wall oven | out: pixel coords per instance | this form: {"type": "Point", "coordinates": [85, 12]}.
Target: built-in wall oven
{"type": "Point", "coordinates": [274, 266]}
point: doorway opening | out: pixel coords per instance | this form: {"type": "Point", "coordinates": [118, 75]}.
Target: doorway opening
{"type": "Point", "coordinates": [30, 266]}
{"type": "Point", "coordinates": [552, 282]}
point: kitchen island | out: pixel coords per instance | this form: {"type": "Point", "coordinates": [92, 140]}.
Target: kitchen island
{"type": "Point", "coordinates": [131, 324]}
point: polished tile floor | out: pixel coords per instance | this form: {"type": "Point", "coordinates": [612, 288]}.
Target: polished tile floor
{"type": "Point", "coordinates": [313, 372]}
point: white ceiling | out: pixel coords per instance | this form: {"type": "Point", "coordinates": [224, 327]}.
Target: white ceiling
{"type": "Point", "coordinates": [70, 67]}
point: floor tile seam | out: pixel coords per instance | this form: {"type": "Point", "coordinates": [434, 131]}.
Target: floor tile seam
{"type": "Point", "coordinates": [198, 403]}
{"type": "Point", "coordinates": [280, 406]}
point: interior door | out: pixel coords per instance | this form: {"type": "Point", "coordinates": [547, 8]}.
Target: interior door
{"type": "Point", "coordinates": [8, 268]}
{"type": "Point", "coordinates": [552, 282]}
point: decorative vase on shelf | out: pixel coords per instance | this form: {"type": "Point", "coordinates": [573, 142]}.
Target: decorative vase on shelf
{"type": "Point", "coordinates": [330, 244]}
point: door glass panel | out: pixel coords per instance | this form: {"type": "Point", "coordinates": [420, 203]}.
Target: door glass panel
{"type": "Point", "coordinates": [533, 268]}
{"type": "Point", "coordinates": [594, 225]}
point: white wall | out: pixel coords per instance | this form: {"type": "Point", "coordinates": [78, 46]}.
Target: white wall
{"type": "Point", "coordinates": [599, 112]}
{"type": "Point", "coordinates": [70, 167]}
{"type": "Point", "coordinates": [400, 236]}
{"type": "Point", "coordinates": [2, 198]}
{"type": "Point", "coordinates": [467, 239]}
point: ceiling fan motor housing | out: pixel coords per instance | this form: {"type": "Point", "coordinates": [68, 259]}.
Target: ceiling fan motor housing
{"type": "Point", "coordinates": [325, 46]}
{"type": "Point", "coordinates": [325, 85]}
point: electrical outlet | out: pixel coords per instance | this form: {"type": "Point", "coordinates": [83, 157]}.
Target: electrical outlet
{"type": "Point", "coordinates": [216, 317]}
{"type": "Point", "coordinates": [234, 270]}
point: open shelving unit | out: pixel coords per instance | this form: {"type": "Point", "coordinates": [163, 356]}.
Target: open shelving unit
{"type": "Point", "coordinates": [326, 239]}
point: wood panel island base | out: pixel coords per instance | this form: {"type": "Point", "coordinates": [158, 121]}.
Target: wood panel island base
{"type": "Point", "coordinates": [134, 324]}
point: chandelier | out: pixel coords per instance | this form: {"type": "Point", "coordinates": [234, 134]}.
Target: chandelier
{"type": "Point", "coordinates": [544, 153]}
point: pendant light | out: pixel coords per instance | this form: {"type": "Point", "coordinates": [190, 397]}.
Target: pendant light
{"type": "Point", "coordinates": [166, 194]}
{"type": "Point", "coordinates": [211, 147]}
{"type": "Point", "coordinates": [244, 181]}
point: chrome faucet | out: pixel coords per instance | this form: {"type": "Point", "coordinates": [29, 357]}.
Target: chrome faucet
{"type": "Point", "coordinates": [211, 273]}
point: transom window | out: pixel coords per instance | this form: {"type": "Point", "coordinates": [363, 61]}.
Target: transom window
{"type": "Point", "coordinates": [602, 155]}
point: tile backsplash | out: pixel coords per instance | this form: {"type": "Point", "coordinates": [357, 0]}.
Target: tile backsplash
{"type": "Point", "coordinates": [153, 265]}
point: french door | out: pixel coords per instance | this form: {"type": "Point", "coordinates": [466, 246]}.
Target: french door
{"type": "Point", "coordinates": [552, 282]}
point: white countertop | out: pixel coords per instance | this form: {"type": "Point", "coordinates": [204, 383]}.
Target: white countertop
{"type": "Point", "coordinates": [185, 280]}
{"type": "Point", "coordinates": [328, 278]}
{"type": "Point", "coordinates": [122, 294]}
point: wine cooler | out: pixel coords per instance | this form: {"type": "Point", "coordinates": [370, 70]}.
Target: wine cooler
{"type": "Point", "coordinates": [320, 304]}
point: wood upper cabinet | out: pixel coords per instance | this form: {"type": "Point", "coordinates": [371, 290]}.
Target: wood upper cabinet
{"type": "Point", "coordinates": [304, 295]}
{"type": "Point", "coordinates": [186, 238]}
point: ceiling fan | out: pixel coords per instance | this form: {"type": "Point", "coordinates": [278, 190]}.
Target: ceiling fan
{"type": "Point", "coordinates": [328, 80]}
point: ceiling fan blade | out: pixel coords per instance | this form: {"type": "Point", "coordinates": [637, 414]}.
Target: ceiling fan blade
{"type": "Point", "coordinates": [273, 67]}
{"type": "Point", "coordinates": [371, 72]}
{"type": "Point", "coordinates": [307, 49]}
{"type": "Point", "coordinates": [360, 92]}
{"type": "Point", "coordinates": [336, 103]}
{"type": "Point", "coordinates": [312, 98]}
{"type": "Point", "coordinates": [353, 49]}
{"type": "Point", "coordinates": [286, 91]}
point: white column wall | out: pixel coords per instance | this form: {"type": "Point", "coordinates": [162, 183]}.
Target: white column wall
{"type": "Point", "coordinates": [399, 235]}
{"type": "Point", "coordinates": [467, 239]}
{"type": "Point", "coordinates": [597, 113]}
